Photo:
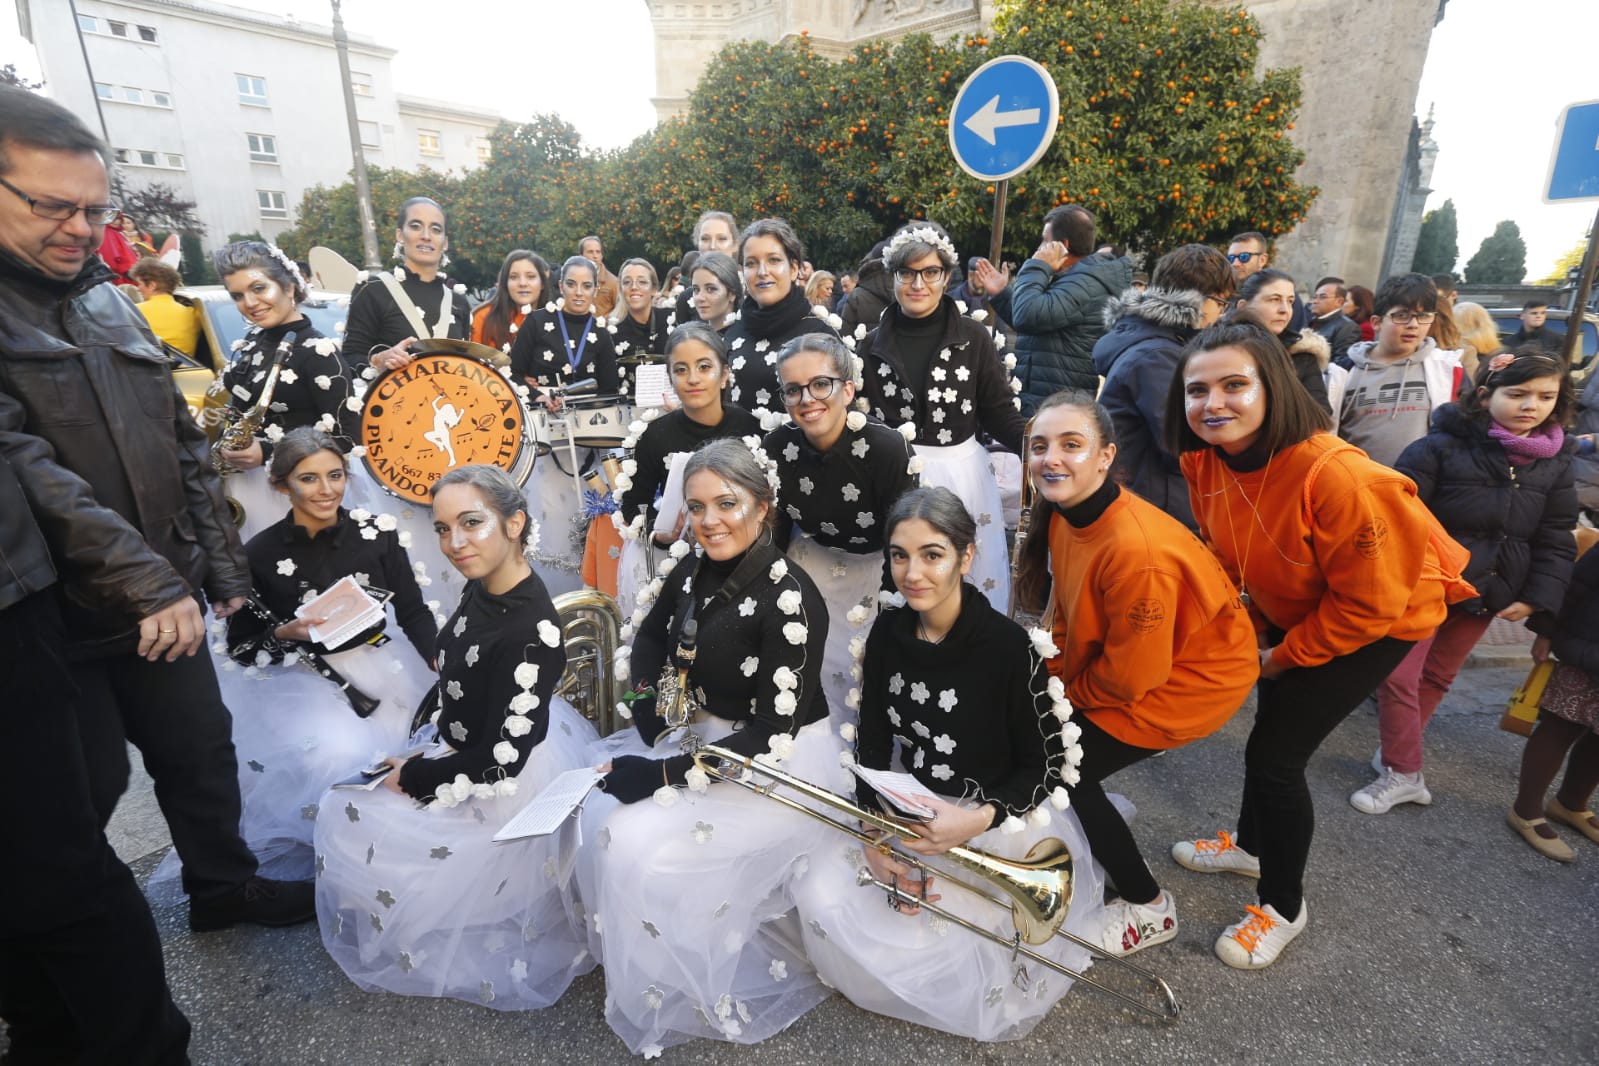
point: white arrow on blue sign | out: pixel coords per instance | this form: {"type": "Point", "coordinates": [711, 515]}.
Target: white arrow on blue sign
{"type": "Point", "coordinates": [1574, 164]}
{"type": "Point", "coordinates": [1003, 118]}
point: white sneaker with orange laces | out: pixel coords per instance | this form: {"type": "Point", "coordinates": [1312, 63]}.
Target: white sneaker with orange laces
{"type": "Point", "coordinates": [1216, 856]}
{"type": "Point", "coordinates": [1255, 942]}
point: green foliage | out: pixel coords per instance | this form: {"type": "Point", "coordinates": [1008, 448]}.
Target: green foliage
{"type": "Point", "coordinates": [1438, 244]}
{"type": "Point", "coordinates": [1166, 133]}
{"type": "Point", "coordinates": [197, 269]}
{"type": "Point", "coordinates": [1501, 259]}
{"type": "Point", "coordinates": [1564, 265]}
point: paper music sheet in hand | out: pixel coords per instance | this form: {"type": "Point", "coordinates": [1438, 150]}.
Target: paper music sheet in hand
{"type": "Point", "coordinates": [670, 504]}
{"type": "Point", "coordinates": [550, 809]}
{"type": "Point", "coordinates": [346, 610]}
{"type": "Point", "coordinates": [902, 790]}
{"type": "Point", "coordinates": [651, 385]}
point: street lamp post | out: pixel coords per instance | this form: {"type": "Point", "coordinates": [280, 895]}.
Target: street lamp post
{"type": "Point", "coordinates": [363, 190]}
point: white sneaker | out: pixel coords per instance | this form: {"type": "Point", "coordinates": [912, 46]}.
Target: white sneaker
{"type": "Point", "coordinates": [1215, 856]}
{"type": "Point", "coordinates": [1130, 927]}
{"type": "Point", "coordinates": [1389, 790]}
{"type": "Point", "coordinates": [1255, 942]}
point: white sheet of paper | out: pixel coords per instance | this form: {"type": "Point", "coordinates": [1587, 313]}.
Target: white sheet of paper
{"type": "Point", "coordinates": [346, 610]}
{"type": "Point", "coordinates": [671, 502]}
{"type": "Point", "coordinates": [902, 790]}
{"type": "Point", "coordinates": [550, 809]}
{"type": "Point", "coordinates": [651, 385]}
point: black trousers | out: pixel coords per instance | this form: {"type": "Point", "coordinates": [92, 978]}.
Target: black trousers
{"type": "Point", "coordinates": [1112, 842]}
{"type": "Point", "coordinates": [1293, 715]}
{"type": "Point", "coordinates": [173, 713]}
{"type": "Point", "coordinates": [81, 974]}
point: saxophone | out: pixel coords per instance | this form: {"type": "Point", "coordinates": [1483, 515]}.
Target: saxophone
{"type": "Point", "coordinates": [238, 430]}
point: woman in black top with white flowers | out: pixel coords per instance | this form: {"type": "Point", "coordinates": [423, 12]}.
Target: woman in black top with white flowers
{"type": "Point", "coordinates": [567, 343]}
{"type": "Point", "coordinates": [839, 473]}
{"type": "Point", "coordinates": [679, 890]}
{"type": "Point", "coordinates": [640, 327]}
{"type": "Point", "coordinates": [966, 695]}
{"type": "Point", "coordinates": [773, 313]}
{"type": "Point", "coordinates": [928, 365]}
{"type": "Point", "coordinates": [413, 895]}
{"type": "Point", "coordinates": [386, 319]}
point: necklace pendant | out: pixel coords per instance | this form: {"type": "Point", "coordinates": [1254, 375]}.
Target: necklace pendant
{"type": "Point", "coordinates": [1243, 596]}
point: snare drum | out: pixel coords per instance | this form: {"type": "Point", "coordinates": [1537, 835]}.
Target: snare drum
{"type": "Point", "coordinates": [596, 422]}
{"type": "Point", "coordinates": [441, 411]}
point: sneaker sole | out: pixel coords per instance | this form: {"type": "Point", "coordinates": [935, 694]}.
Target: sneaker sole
{"type": "Point", "coordinates": [1240, 871]}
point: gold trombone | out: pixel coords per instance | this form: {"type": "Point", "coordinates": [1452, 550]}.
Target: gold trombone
{"type": "Point", "coordinates": [1036, 889]}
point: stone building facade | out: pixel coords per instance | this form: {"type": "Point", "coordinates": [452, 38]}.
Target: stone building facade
{"type": "Point", "coordinates": [1361, 63]}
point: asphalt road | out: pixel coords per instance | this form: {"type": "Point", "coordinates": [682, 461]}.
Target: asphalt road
{"type": "Point", "coordinates": [1435, 936]}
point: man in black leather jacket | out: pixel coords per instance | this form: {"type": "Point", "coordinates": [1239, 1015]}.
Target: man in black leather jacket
{"type": "Point", "coordinates": [118, 476]}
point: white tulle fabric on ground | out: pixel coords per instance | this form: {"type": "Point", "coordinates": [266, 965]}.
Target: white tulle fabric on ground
{"type": "Point", "coordinates": [925, 969]}
{"type": "Point", "coordinates": [261, 503]}
{"type": "Point", "coordinates": [553, 502]}
{"type": "Point", "coordinates": [422, 902]}
{"type": "Point", "coordinates": [633, 572]}
{"type": "Point", "coordinates": [844, 580]}
{"type": "Point", "coordinates": [963, 469]}
{"type": "Point", "coordinates": [688, 906]}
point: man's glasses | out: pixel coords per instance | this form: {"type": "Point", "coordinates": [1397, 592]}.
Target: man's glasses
{"type": "Point", "coordinates": [930, 276]}
{"type": "Point", "coordinates": [56, 211]}
{"type": "Point", "coordinates": [1242, 257]}
{"type": "Point", "coordinates": [819, 388]}
{"type": "Point", "coordinates": [1405, 318]}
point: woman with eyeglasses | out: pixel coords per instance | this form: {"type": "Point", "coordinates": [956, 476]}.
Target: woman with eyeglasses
{"type": "Point", "coordinates": [839, 474]}
{"type": "Point", "coordinates": [774, 312]}
{"type": "Point", "coordinates": [928, 367]}
{"type": "Point", "coordinates": [641, 327]}
{"type": "Point", "coordinates": [1268, 297]}
{"type": "Point", "coordinates": [389, 312]}
{"type": "Point", "coordinates": [716, 289]}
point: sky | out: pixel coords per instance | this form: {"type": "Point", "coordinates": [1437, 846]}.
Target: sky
{"type": "Point", "coordinates": [1497, 84]}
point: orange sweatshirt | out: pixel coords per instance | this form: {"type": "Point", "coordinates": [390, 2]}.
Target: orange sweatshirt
{"type": "Point", "coordinates": [1352, 568]}
{"type": "Point", "coordinates": [1155, 645]}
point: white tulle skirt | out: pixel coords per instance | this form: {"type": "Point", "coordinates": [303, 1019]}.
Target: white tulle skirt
{"type": "Point", "coordinates": [554, 503]}
{"type": "Point", "coordinates": [633, 572]}
{"type": "Point", "coordinates": [845, 581]}
{"type": "Point", "coordinates": [964, 469]}
{"type": "Point", "coordinates": [924, 969]}
{"type": "Point", "coordinates": [688, 907]}
{"type": "Point", "coordinates": [422, 902]}
{"type": "Point", "coordinates": [261, 503]}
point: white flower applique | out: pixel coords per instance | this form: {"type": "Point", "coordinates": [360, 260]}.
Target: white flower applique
{"type": "Point", "coordinates": [919, 692]}
{"type": "Point", "coordinates": [860, 448]}
{"type": "Point", "coordinates": [749, 666]}
{"type": "Point", "coordinates": [947, 700]}
{"type": "Point", "coordinates": [286, 567]}
{"type": "Point", "coordinates": [747, 607]}
{"type": "Point", "coordinates": [896, 684]}
{"type": "Point", "coordinates": [850, 493]}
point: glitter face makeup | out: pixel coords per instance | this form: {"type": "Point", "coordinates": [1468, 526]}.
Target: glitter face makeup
{"type": "Point", "coordinates": [725, 518]}
{"type": "Point", "coordinates": [474, 538]}
{"type": "Point", "coordinates": [262, 301]}
{"type": "Point", "coordinates": [315, 488]}
{"type": "Point", "coordinates": [1064, 457]}
{"type": "Point", "coordinates": [1223, 398]}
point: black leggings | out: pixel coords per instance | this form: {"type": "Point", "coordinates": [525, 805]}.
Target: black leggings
{"type": "Point", "coordinates": [1293, 715]}
{"type": "Point", "coordinates": [1112, 842]}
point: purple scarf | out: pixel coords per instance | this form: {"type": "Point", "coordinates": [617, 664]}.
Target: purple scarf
{"type": "Point", "coordinates": [1542, 443]}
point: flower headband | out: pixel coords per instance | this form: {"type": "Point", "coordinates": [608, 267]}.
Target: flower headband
{"type": "Point", "coordinates": [289, 265]}
{"type": "Point", "coordinates": [921, 235]}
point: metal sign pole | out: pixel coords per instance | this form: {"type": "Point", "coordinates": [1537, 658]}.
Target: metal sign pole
{"type": "Point", "coordinates": [997, 240]}
{"type": "Point", "coordinates": [1577, 317]}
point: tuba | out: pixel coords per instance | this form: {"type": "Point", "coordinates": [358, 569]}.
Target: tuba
{"type": "Point", "coordinates": [591, 628]}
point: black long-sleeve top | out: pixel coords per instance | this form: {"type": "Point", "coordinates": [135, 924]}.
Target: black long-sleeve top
{"type": "Point", "coordinates": [481, 648]}
{"type": "Point", "coordinates": [376, 322]}
{"type": "Point", "coordinates": [312, 387]}
{"type": "Point", "coordinates": [289, 566]}
{"type": "Point", "coordinates": [754, 341]}
{"type": "Point", "coordinates": [669, 434]}
{"type": "Point", "coordinates": [972, 712]}
{"type": "Point", "coordinates": [541, 355]}
{"type": "Point", "coordinates": [962, 387]}
{"type": "Point", "coordinates": [841, 496]}
{"type": "Point", "coordinates": [744, 638]}
{"type": "Point", "coordinates": [644, 338]}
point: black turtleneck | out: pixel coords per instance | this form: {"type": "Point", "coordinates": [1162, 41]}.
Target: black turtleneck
{"type": "Point", "coordinates": [1085, 513]}
{"type": "Point", "coordinates": [920, 339]}
{"type": "Point", "coordinates": [754, 341]}
{"type": "Point", "coordinates": [1247, 461]}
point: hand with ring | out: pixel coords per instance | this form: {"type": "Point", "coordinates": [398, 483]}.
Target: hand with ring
{"type": "Point", "coordinates": [177, 629]}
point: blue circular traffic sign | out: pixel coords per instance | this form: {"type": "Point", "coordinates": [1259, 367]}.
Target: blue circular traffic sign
{"type": "Point", "coordinates": [1003, 118]}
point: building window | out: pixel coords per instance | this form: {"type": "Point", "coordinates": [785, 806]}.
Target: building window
{"type": "Point", "coordinates": [102, 90]}
{"type": "Point", "coordinates": [118, 29]}
{"type": "Point", "coordinates": [252, 90]}
{"type": "Point", "coordinates": [147, 159]}
{"type": "Point", "coordinates": [263, 147]}
{"type": "Point", "coordinates": [88, 24]}
{"type": "Point", "coordinates": [360, 84]}
{"type": "Point", "coordinates": [160, 99]}
{"type": "Point", "coordinates": [272, 204]}
{"type": "Point", "coordinates": [369, 134]}
{"type": "Point", "coordinates": [147, 33]}
{"type": "Point", "coordinates": [428, 141]}
{"type": "Point", "coordinates": [485, 151]}
{"type": "Point", "coordinates": [132, 95]}
{"type": "Point", "coordinates": [174, 161]}
{"type": "Point", "coordinates": [120, 154]}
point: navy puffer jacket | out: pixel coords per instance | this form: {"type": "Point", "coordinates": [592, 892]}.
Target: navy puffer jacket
{"type": "Point", "coordinates": [1515, 520]}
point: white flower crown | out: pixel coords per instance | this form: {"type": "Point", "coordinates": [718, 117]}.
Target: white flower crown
{"type": "Point", "coordinates": [921, 235]}
{"type": "Point", "coordinates": [288, 264]}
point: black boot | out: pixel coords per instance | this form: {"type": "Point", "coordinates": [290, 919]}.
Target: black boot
{"type": "Point", "coordinates": [260, 900]}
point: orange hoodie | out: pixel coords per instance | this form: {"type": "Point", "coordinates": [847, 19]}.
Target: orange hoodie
{"type": "Point", "coordinates": [1155, 645]}
{"type": "Point", "coordinates": [1354, 567]}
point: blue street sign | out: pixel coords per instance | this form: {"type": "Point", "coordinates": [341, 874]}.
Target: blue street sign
{"type": "Point", "coordinates": [1574, 164]}
{"type": "Point", "coordinates": [1003, 118]}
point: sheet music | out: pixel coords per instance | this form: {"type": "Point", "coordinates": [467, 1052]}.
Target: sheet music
{"type": "Point", "coordinates": [346, 610]}
{"type": "Point", "coordinates": [670, 504]}
{"type": "Point", "coordinates": [651, 385]}
{"type": "Point", "coordinates": [902, 790]}
{"type": "Point", "coordinates": [550, 809]}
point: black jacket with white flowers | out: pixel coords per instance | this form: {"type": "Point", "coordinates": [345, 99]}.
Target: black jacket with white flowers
{"type": "Point", "coordinates": [762, 631]}
{"type": "Point", "coordinates": [965, 388]}
{"type": "Point", "coordinates": [841, 496]}
{"type": "Point", "coordinates": [312, 387]}
{"type": "Point", "coordinates": [754, 341]}
{"type": "Point", "coordinates": [667, 435]}
{"type": "Point", "coordinates": [289, 567]}
{"type": "Point", "coordinates": [376, 322]}
{"type": "Point", "coordinates": [500, 658]}
{"type": "Point", "coordinates": [541, 353]}
{"type": "Point", "coordinates": [972, 713]}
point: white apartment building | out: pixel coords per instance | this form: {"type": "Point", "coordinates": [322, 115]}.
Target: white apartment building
{"type": "Point", "coordinates": [239, 111]}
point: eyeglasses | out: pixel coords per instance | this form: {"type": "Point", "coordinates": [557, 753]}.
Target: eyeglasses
{"type": "Point", "coordinates": [1242, 257]}
{"type": "Point", "coordinates": [819, 388]}
{"type": "Point", "coordinates": [1222, 300]}
{"type": "Point", "coordinates": [1405, 318]}
{"type": "Point", "coordinates": [56, 211]}
{"type": "Point", "coordinates": [930, 276]}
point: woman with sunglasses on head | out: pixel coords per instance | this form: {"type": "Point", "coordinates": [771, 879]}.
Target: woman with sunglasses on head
{"type": "Point", "coordinates": [522, 288]}
{"type": "Point", "coordinates": [774, 312]}
{"type": "Point", "coordinates": [640, 326]}
{"type": "Point", "coordinates": [391, 311]}
{"type": "Point", "coordinates": [685, 893]}
{"type": "Point", "coordinates": [839, 473]}
{"type": "Point", "coordinates": [413, 894]}
{"type": "Point", "coordinates": [929, 367]}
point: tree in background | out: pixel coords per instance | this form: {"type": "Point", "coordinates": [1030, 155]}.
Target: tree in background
{"type": "Point", "coordinates": [1501, 259]}
{"type": "Point", "coordinates": [1564, 265]}
{"type": "Point", "coordinates": [1438, 244]}
{"type": "Point", "coordinates": [9, 76]}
